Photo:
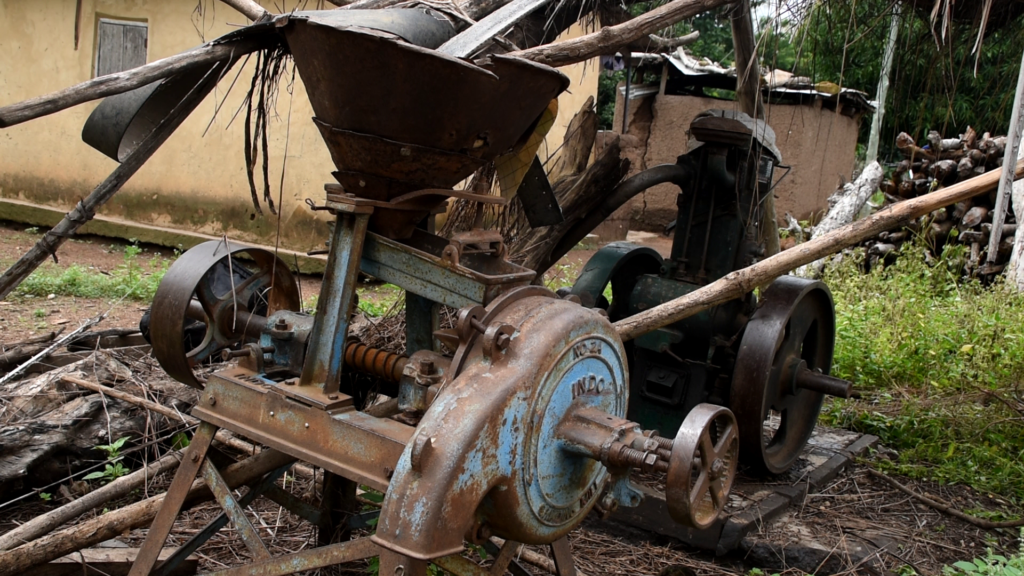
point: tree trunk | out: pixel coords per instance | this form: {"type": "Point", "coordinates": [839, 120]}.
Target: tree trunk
{"type": "Point", "coordinates": [846, 204]}
{"type": "Point", "coordinates": [748, 95]}
{"type": "Point", "coordinates": [1013, 136]}
{"type": "Point", "coordinates": [883, 83]}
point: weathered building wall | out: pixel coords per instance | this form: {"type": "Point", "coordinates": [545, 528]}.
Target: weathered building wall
{"type": "Point", "coordinates": [818, 143]}
{"type": "Point", "coordinates": [195, 182]}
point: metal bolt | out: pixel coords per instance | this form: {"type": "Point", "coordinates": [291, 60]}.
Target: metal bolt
{"type": "Point", "coordinates": [307, 424]}
{"type": "Point", "coordinates": [195, 457]}
{"type": "Point", "coordinates": [213, 401]}
{"type": "Point", "coordinates": [426, 366]}
{"type": "Point", "coordinates": [503, 341]}
{"type": "Point", "coordinates": [388, 472]}
{"type": "Point", "coordinates": [281, 324]}
{"type": "Point", "coordinates": [332, 396]}
{"type": "Point", "coordinates": [717, 469]}
{"type": "Point", "coordinates": [271, 413]}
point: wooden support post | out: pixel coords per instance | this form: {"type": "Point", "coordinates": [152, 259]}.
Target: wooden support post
{"type": "Point", "coordinates": [748, 95]}
{"type": "Point", "coordinates": [1013, 135]}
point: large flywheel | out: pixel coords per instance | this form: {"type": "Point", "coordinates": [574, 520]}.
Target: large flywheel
{"type": "Point", "coordinates": [781, 372]}
{"type": "Point", "coordinates": [206, 300]}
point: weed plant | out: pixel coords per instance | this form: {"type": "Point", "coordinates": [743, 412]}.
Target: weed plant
{"type": "Point", "coordinates": [934, 356]}
{"type": "Point", "coordinates": [132, 279]}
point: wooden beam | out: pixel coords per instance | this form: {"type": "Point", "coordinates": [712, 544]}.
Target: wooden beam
{"type": "Point", "coordinates": [608, 40]}
{"type": "Point", "coordinates": [736, 284]}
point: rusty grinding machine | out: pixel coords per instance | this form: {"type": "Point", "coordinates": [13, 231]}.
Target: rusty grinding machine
{"type": "Point", "coordinates": [541, 412]}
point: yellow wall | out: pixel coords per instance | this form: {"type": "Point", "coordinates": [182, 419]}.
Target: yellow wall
{"type": "Point", "coordinates": [194, 182]}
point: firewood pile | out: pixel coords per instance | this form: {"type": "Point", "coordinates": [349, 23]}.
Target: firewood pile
{"type": "Point", "coordinates": [934, 164]}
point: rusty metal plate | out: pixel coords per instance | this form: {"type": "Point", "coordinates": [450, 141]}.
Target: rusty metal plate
{"type": "Point", "coordinates": [423, 166]}
{"type": "Point", "coordinates": [401, 92]}
{"type": "Point", "coordinates": [417, 266]}
{"type": "Point", "coordinates": [346, 442]}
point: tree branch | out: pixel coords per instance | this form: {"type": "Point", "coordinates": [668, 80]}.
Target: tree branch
{"type": "Point", "coordinates": [608, 40]}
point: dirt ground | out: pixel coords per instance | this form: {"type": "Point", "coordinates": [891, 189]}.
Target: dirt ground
{"type": "Point", "coordinates": [854, 512]}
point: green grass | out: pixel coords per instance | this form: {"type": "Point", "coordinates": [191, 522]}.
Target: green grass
{"type": "Point", "coordinates": [134, 279]}
{"type": "Point", "coordinates": [991, 564]}
{"type": "Point", "coordinates": [932, 354]}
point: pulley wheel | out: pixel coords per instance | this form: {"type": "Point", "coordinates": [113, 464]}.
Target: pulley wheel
{"type": "Point", "coordinates": [196, 293]}
{"type": "Point", "coordinates": [702, 468]}
{"type": "Point", "coordinates": [792, 331]}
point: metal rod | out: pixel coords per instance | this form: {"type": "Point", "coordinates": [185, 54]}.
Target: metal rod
{"type": "Point", "coordinates": [818, 382]}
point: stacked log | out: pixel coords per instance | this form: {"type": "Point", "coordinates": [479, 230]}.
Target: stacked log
{"type": "Point", "coordinates": [934, 164]}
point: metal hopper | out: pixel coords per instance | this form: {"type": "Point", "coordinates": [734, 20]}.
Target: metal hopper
{"type": "Point", "coordinates": [399, 118]}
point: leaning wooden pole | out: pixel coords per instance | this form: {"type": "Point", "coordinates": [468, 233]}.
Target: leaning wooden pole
{"type": "Point", "coordinates": [84, 211]}
{"type": "Point", "coordinates": [203, 57]}
{"type": "Point", "coordinates": [738, 283]}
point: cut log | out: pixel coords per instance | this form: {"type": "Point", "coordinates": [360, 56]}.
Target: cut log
{"type": "Point", "coordinates": [846, 204]}
{"type": "Point", "coordinates": [736, 284]}
{"type": "Point", "coordinates": [46, 523]}
{"type": "Point", "coordinates": [116, 522]}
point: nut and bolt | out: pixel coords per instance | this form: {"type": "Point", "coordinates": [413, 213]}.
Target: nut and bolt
{"type": "Point", "coordinates": [425, 366]}
{"type": "Point", "coordinates": [503, 341]}
{"type": "Point", "coordinates": [332, 396]}
{"type": "Point", "coordinates": [195, 457]}
{"type": "Point", "coordinates": [213, 401]}
{"type": "Point", "coordinates": [281, 324]}
{"type": "Point", "coordinates": [717, 469]}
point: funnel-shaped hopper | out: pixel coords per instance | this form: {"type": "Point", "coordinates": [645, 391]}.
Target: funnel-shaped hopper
{"type": "Point", "coordinates": [398, 117]}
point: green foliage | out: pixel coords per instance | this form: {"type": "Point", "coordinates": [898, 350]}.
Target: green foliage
{"type": "Point", "coordinates": [180, 441]}
{"type": "Point", "coordinates": [39, 313]}
{"type": "Point", "coordinates": [927, 350]}
{"type": "Point", "coordinates": [114, 469]}
{"type": "Point", "coordinates": [932, 86]}
{"type": "Point", "coordinates": [45, 496]}
{"type": "Point", "coordinates": [377, 301]}
{"type": "Point", "coordinates": [606, 83]}
{"type": "Point", "coordinates": [991, 565]}
{"type": "Point", "coordinates": [131, 279]}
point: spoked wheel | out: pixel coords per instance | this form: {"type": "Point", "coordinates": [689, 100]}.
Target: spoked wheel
{"type": "Point", "coordinates": [204, 292]}
{"type": "Point", "coordinates": [781, 371]}
{"type": "Point", "coordinates": [705, 453]}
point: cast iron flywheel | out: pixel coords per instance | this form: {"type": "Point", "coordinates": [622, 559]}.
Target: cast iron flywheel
{"type": "Point", "coordinates": [205, 292]}
{"type": "Point", "coordinates": [786, 348]}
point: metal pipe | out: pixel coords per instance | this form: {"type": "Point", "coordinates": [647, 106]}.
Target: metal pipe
{"type": "Point", "coordinates": [678, 174]}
